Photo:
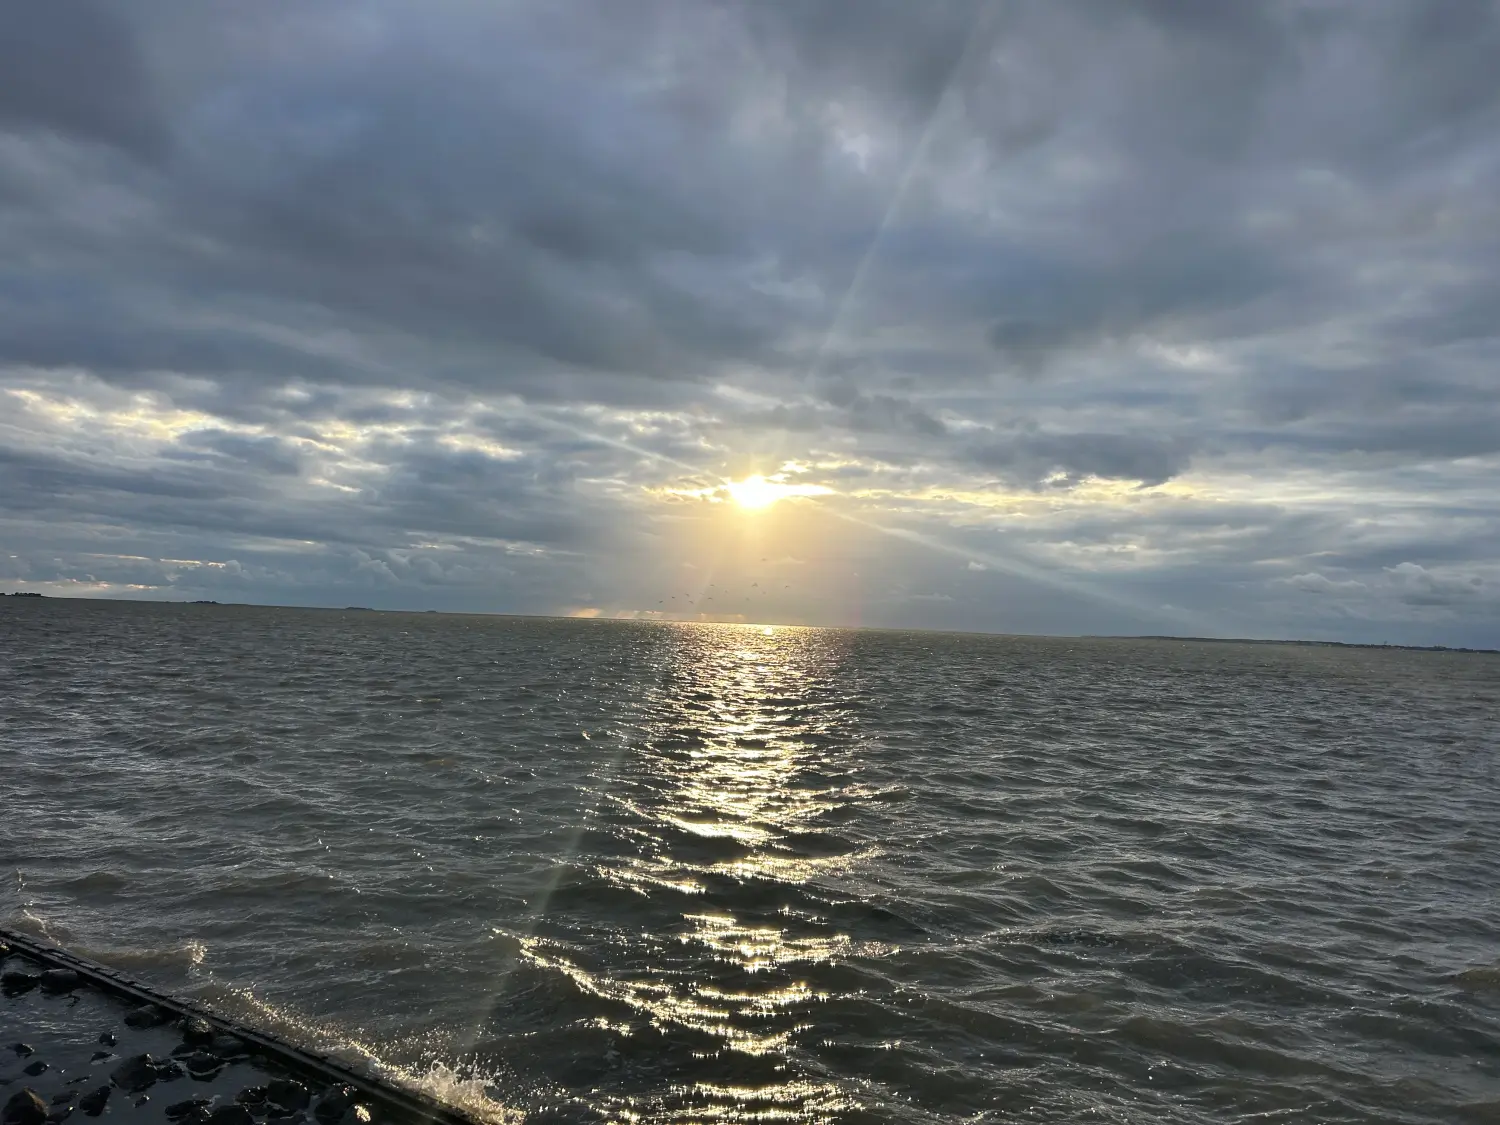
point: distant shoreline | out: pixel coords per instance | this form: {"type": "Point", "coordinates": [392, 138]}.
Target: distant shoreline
{"type": "Point", "coordinates": [1283, 641]}
{"type": "Point", "coordinates": [782, 625]}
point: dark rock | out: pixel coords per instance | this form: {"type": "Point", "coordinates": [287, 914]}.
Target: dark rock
{"type": "Point", "coordinates": [93, 1102]}
{"type": "Point", "coordinates": [60, 980]}
{"type": "Point", "coordinates": [333, 1103]}
{"type": "Point", "coordinates": [16, 982]}
{"type": "Point", "coordinates": [24, 1108]}
{"type": "Point", "coordinates": [139, 1072]}
{"type": "Point", "coordinates": [33, 1069]}
{"type": "Point", "coordinates": [59, 1113]}
{"type": "Point", "coordinates": [108, 1038]}
{"type": "Point", "coordinates": [168, 1071]}
{"type": "Point", "coordinates": [65, 1096]}
{"type": "Point", "coordinates": [147, 1015]}
{"type": "Point", "coordinates": [193, 1109]}
{"type": "Point", "coordinates": [229, 1046]}
{"type": "Point", "coordinates": [288, 1094]}
{"type": "Point", "coordinates": [251, 1095]}
{"type": "Point", "coordinates": [198, 1032]}
{"type": "Point", "coordinates": [142, 1100]}
{"type": "Point", "coordinates": [24, 1049]}
{"type": "Point", "coordinates": [230, 1115]}
{"type": "Point", "coordinates": [100, 1055]}
{"type": "Point", "coordinates": [202, 1064]}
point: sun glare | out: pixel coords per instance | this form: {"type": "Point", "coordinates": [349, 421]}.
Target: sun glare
{"type": "Point", "coordinates": [756, 492]}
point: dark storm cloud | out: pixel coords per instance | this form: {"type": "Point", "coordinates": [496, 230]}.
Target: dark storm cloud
{"type": "Point", "coordinates": [367, 276]}
{"type": "Point", "coordinates": [1185, 282]}
{"type": "Point", "coordinates": [1031, 457]}
{"type": "Point", "coordinates": [74, 66]}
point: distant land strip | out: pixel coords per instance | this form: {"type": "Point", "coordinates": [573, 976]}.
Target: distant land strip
{"type": "Point", "coordinates": [1045, 636]}
{"type": "Point", "coordinates": [1265, 641]}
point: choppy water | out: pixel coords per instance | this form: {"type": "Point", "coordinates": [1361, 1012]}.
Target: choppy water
{"type": "Point", "coordinates": [711, 873]}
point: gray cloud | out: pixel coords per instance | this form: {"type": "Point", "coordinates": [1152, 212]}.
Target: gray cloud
{"type": "Point", "coordinates": [467, 302]}
{"type": "Point", "coordinates": [74, 66]}
{"type": "Point", "coordinates": [1034, 457]}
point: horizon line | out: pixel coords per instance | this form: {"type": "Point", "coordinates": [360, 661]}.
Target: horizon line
{"type": "Point", "coordinates": [1304, 641]}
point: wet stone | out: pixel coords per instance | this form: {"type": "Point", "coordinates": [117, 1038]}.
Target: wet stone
{"type": "Point", "coordinates": [142, 1100]}
{"type": "Point", "coordinates": [147, 1015]}
{"type": "Point", "coordinates": [135, 1074]}
{"type": "Point", "coordinates": [356, 1115]}
{"type": "Point", "coordinates": [58, 981]}
{"type": "Point", "coordinates": [197, 1032]}
{"type": "Point", "coordinates": [33, 1069]}
{"type": "Point", "coordinates": [59, 1113]}
{"type": "Point", "coordinates": [230, 1115]}
{"type": "Point", "coordinates": [251, 1095]}
{"type": "Point", "coordinates": [93, 1102]}
{"type": "Point", "coordinates": [108, 1038]}
{"type": "Point", "coordinates": [288, 1095]}
{"type": "Point", "coordinates": [192, 1109]}
{"type": "Point", "coordinates": [16, 982]}
{"type": "Point", "coordinates": [201, 1064]}
{"type": "Point", "coordinates": [65, 1096]}
{"type": "Point", "coordinates": [100, 1055]}
{"type": "Point", "coordinates": [334, 1103]}
{"type": "Point", "coordinates": [24, 1049]}
{"type": "Point", "coordinates": [25, 1107]}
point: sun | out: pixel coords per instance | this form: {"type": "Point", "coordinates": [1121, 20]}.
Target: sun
{"type": "Point", "coordinates": [755, 492]}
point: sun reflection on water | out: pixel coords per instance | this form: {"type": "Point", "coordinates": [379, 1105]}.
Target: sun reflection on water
{"type": "Point", "coordinates": [729, 787]}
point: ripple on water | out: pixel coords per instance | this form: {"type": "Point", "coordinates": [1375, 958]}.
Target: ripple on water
{"type": "Point", "coordinates": [684, 873]}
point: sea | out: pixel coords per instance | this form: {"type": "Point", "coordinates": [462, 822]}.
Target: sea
{"type": "Point", "coordinates": [569, 870]}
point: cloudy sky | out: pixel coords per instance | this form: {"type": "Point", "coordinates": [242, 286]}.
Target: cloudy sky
{"type": "Point", "coordinates": [1166, 316]}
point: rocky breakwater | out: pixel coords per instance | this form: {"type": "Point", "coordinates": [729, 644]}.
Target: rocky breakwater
{"type": "Point", "coordinates": [67, 1047]}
